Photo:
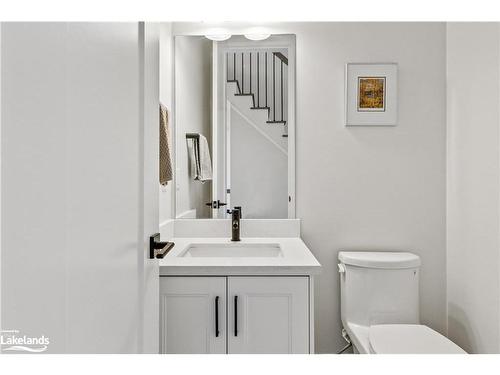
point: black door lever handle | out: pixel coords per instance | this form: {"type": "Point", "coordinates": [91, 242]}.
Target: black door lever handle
{"type": "Point", "coordinates": [158, 249]}
{"type": "Point", "coordinates": [215, 204]}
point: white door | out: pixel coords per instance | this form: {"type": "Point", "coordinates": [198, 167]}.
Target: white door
{"type": "Point", "coordinates": [193, 315]}
{"type": "Point", "coordinates": [79, 132]}
{"type": "Point", "coordinates": [268, 315]}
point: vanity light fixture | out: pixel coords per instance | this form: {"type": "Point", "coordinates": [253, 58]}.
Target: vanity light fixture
{"type": "Point", "coordinates": [261, 36]}
{"type": "Point", "coordinates": [218, 35]}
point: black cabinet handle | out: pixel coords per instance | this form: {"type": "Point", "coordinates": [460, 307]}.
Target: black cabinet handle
{"type": "Point", "coordinates": [217, 316]}
{"type": "Point", "coordinates": [236, 315]}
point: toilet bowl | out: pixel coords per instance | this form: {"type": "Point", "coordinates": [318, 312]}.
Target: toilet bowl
{"type": "Point", "coordinates": [379, 301]}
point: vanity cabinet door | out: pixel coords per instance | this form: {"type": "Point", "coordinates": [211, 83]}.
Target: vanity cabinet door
{"type": "Point", "coordinates": [192, 310]}
{"type": "Point", "coordinates": [268, 314]}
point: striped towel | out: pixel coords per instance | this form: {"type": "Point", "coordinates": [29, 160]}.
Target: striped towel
{"type": "Point", "coordinates": [165, 159]}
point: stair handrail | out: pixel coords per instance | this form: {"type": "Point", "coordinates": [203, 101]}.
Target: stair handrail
{"type": "Point", "coordinates": [282, 57]}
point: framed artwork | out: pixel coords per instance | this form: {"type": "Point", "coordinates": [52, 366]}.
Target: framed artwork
{"type": "Point", "coordinates": [371, 94]}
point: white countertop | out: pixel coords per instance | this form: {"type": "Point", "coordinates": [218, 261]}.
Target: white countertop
{"type": "Point", "coordinates": [297, 259]}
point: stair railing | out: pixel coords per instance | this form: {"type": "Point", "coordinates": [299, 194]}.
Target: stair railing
{"type": "Point", "coordinates": [275, 66]}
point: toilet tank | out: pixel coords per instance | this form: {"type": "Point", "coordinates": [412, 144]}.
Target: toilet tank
{"type": "Point", "coordinates": [379, 287]}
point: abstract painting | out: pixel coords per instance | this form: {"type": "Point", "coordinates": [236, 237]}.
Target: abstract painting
{"type": "Point", "coordinates": [371, 94]}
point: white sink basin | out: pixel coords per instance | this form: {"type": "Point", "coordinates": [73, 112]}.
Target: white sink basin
{"type": "Point", "coordinates": [233, 250]}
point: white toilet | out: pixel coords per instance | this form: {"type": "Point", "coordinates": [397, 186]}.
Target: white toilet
{"type": "Point", "coordinates": [379, 301]}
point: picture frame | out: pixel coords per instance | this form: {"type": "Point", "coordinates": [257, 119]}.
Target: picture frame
{"type": "Point", "coordinates": [371, 97]}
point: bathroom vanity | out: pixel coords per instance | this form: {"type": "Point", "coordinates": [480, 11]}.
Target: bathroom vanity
{"type": "Point", "coordinates": [252, 296]}
{"type": "Point", "coordinates": [218, 295]}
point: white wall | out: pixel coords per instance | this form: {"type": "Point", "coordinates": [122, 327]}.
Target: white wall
{"type": "Point", "coordinates": [473, 216]}
{"type": "Point", "coordinates": [368, 188]}
{"type": "Point", "coordinates": [193, 114]}
{"type": "Point", "coordinates": [166, 97]}
{"type": "Point", "coordinates": [259, 181]}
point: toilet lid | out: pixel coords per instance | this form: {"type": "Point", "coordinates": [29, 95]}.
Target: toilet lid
{"type": "Point", "coordinates": [409, 339]}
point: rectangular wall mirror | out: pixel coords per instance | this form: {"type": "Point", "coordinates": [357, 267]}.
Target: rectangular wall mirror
{"type": "Point", "coordinates": [234, 127]}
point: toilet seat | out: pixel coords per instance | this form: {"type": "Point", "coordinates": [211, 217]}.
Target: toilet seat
{"type": "Point", "coordinates": [409, 339]}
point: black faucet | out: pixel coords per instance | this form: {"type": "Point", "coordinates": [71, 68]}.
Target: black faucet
{"type": "Point", "coordinates": [235, 224]}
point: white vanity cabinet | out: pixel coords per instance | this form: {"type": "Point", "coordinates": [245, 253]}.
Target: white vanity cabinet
{"type": "Point", "coordinates": [268, 315]}
{"type": "Point", "coordinates": [255, 314]}
{"type": "Point", "coordinates": [192, 310]}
